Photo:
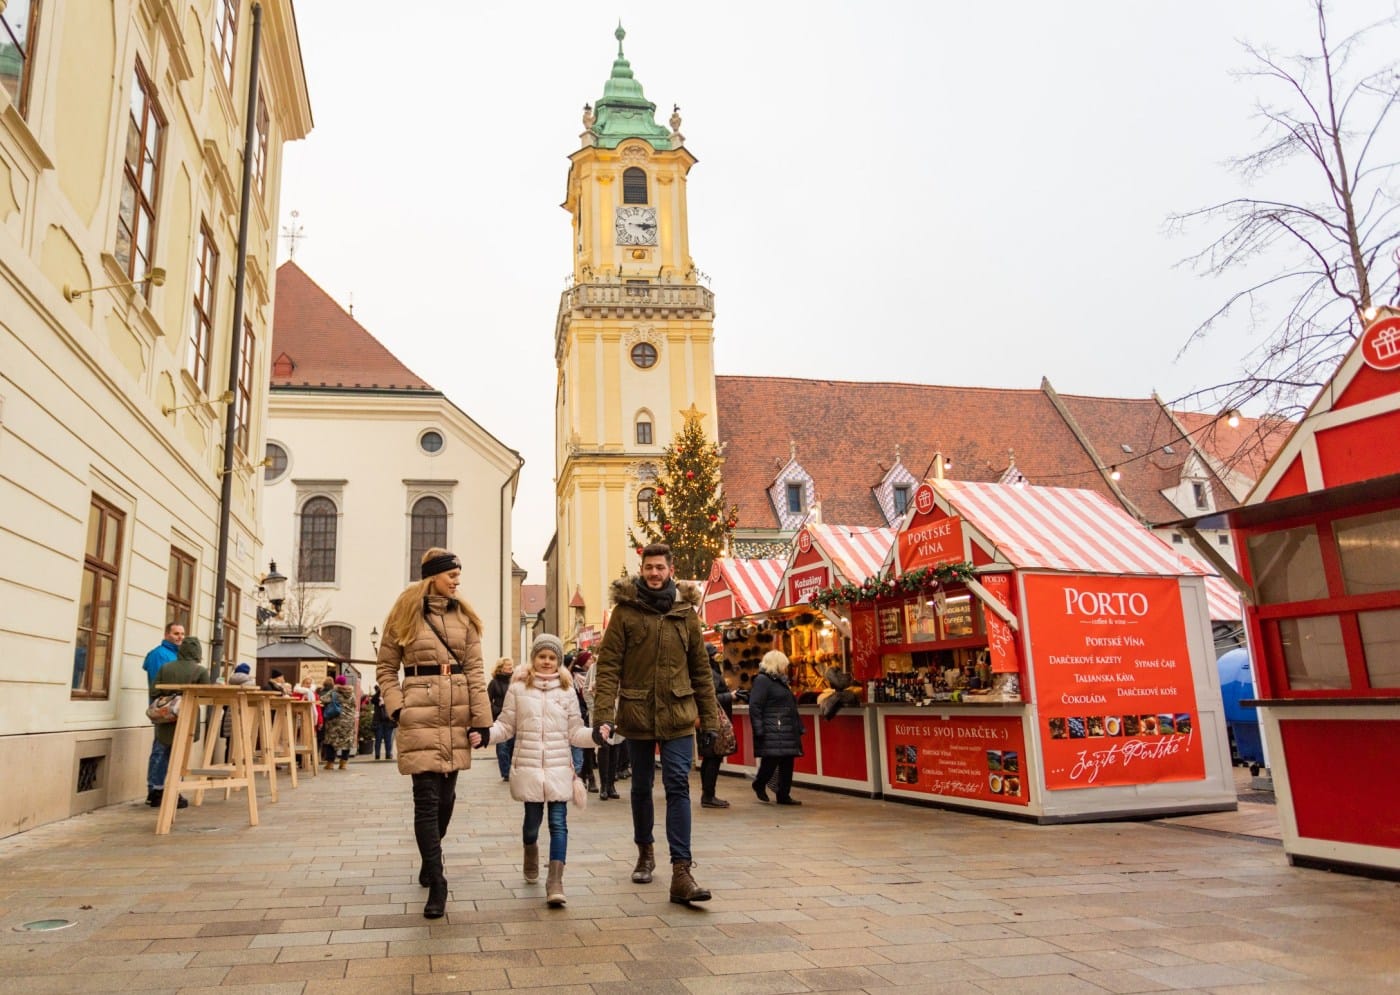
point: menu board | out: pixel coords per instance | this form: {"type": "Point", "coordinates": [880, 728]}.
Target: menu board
{"type": "Point", "coordinates": [958, 757]}
{"type": "Point", "coordinates": [890, 628]}
{"type": "Point", "coordinates": [1117, 701]}
{"type": "Point", "coordinates": [957, 617]}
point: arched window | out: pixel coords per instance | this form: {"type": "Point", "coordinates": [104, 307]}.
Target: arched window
{"type": "Point", "coordinates": [644, 429]}
{"type": "Point", "coordinates": [339, 638]}
{"type": "Point", "coordinates": [634, 185]}
{"type": "Point", "coordinates": [316, 550]}
{"type": "Point", "coordinates": [427, 529]}
{"type": "Point", "coordinates": [645, 497]}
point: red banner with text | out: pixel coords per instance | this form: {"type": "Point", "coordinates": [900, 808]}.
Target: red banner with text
{"type": "Point", "coordinates": [1001, 641]}
{"type": "Point", "coordinates": [802, 584]}
{"type": "Point", "coordinates": [930, 543]}
{"type": "Point", "coordinates": [1116, 700]}
{"type": "Point", "coordinates": [960, 757]}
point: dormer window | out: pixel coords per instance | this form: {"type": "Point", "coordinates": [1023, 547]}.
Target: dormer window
{"type": "Point", "coordinates": [634, 185]}
{"type": "Point", "coordinates": [794, 498]}
{"type": "Point", "coordinates": [901, 499]}
{"type": "Point", "coordinates": [1200, 495]}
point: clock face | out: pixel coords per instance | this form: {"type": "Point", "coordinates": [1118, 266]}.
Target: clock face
{"type": "Point", "coordinates": [636, 225]}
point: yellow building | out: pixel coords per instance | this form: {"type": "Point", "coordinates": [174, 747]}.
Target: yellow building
{"type": "Point", "coordinates": [121, 159]}
{"type": "Point", "coordinates": [633, 342]}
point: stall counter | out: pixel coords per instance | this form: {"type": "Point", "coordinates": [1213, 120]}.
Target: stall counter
{"type": "Point", "coordinates": [839, 753]}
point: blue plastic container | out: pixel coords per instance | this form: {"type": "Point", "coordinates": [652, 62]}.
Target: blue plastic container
{"type": "Point", "coordinates": [1236, 684]}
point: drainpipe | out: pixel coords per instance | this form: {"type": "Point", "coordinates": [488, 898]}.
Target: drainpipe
{"type": "Point", "coordinates": [216, 645]}
{"type": "Point", "coordinates": [505, 553]}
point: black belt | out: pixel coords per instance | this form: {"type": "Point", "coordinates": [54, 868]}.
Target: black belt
{"type": "Point", "coordinates": [430, 671]}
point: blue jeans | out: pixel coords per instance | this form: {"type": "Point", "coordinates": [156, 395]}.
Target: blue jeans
{"type": "Point", "coordinates": [558, 827]}
{"type": "Point", "coordinates": [504, 751]}
{"type": "Point", "coordinates": [577, 753]}
{"type": "Point", "coordinates": [676, 756]}
{"type": "Point", "coordinates": [384, 734]}
{"type": "Point", "coordinates": [158, 766]}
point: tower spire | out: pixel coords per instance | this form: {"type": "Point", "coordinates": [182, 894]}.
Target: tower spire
{"type": "Point", "coordinates": [623, 111]}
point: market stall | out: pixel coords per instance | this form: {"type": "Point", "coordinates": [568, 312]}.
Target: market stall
{"type": "Point", "coordinates": [1035, 652]}
{"type": "Point", "coordinates": [1318, 542]}
{"type": "Point", "coordinates": [738, 587]}
{"type": "Point", "coordinates": [838, 751]}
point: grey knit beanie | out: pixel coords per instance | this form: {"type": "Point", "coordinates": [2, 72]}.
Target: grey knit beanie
{"type": "Point", "coordinates": [547, 641]}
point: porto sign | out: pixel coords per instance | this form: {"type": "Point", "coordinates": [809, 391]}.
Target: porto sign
{"type": "Point", "coordinates": [1380, 344]}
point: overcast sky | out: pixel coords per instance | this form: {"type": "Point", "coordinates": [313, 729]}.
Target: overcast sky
{"type": "Point", "coordinates": [939, 192]}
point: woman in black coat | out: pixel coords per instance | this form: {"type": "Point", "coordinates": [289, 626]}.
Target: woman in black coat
{"type": "Point", "coordinates": [777, 728]}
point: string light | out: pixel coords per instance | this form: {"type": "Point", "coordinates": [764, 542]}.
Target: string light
{"type": "Point", "coordinates": [1115, 474]}
{"type": "Point", "coordinates": [1232, 417]}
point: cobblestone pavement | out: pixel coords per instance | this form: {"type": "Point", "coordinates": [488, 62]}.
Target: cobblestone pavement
{"type": "Point", "coordinates": [843, 894]}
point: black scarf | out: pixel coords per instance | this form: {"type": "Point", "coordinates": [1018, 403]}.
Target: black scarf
{"type": "Point", "coordinates": [658, 601]}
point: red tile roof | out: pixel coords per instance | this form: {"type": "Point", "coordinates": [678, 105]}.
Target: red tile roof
{"type": "Point", "coordinates": [1143, 425]}
{"type": "Point", "coordinates": [846, 434]}
{"type": "Point", "coordinates": [1245, 449]}
{"type": "Point", "coordinates": [316, 343]}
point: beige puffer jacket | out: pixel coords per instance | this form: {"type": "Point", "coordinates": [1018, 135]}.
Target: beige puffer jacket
{"type": "Point", "coordinates": [436, 713]}
{"type": "Point", "coordinates": [545, 723]}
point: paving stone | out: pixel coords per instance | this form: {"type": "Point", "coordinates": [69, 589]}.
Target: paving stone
{"type": "Point", "coordinates": [929, 902]}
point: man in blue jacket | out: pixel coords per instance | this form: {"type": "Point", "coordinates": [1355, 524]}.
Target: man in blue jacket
{"type": "Point", "coordinates": [167, 651]}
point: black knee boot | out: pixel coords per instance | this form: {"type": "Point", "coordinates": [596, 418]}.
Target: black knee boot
{"type": "Point", "coordinates": [428, 791]}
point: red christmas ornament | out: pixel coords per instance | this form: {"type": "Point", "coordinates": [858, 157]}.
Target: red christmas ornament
{"type": "Point", "coordinates": [666, 527]}
{"type": "Point", "coordinates": [714, 518]}
{"type": "Point", "coordinates": [639, 550]}
{"type": "Point", "coordinates": [690, 475]}
{"type": "Point", "coordinates": [660, 491]}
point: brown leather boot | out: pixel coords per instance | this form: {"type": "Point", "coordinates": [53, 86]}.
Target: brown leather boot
{"type": "Point", "coordinates": [646, 863]}
{"type": "Point", "coordinates": [684, 890]}
{"type": "Point", "coordinates": [554, 885]}
{"type": "Point", "coordinates": [343, 762]}
{"type": "Point", "coordinates": [532, 863]}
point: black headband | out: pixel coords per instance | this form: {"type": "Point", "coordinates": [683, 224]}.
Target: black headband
{"type": "Point", "coordinates": [440, 565]}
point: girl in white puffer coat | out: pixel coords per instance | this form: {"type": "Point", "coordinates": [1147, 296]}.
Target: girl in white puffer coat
{"type": "Point", "coordinates": [541, 712]}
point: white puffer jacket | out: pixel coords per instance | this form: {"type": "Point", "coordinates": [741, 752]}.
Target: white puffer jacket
{"type": "Point", "coordinates": [545, 723]}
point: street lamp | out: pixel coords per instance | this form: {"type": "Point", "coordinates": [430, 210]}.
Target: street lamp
{"type": "Point", "coordinates": [374, 640]}
{"type": "Point", "coordinates": [273, 591]}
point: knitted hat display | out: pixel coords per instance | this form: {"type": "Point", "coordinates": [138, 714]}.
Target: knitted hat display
{"type": "Point", "coordinates": [242, 668]}
{"type": "Point", "coordinates": [547, 641]}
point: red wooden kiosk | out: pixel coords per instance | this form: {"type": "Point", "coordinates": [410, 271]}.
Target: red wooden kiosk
{"type": "Point", "coordinates": [738, 587]}
{"type": "Point", "coordinates": [1071, 677]}
{"type": "Point", "coordinates": [838, 753]}
{"type": "Point", "coordinates": [1318, 542]}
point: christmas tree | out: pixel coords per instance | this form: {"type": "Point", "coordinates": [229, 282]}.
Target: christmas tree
{"type": "Point", "coordinates": [688, 512]}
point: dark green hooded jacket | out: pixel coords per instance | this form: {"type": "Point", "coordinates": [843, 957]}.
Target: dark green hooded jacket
{"type": "Point", "coordinates": [184, 669]}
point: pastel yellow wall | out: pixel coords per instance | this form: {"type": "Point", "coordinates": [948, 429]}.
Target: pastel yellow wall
{"type": "Point", "coordinates": [602, 392]}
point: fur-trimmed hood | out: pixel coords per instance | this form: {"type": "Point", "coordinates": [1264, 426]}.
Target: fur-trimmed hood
{"type": "Point", "coordinates": [623, 591]}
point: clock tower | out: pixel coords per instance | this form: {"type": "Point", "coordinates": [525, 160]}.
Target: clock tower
{"type": "Point", "coordinates": [633, 342]}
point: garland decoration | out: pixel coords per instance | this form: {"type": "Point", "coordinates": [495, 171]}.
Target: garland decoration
{"type": "Point", "coordinates": [912, 582]}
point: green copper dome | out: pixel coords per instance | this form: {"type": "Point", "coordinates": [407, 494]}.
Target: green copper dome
{"type": "Point", "coordinates": [623, 111]}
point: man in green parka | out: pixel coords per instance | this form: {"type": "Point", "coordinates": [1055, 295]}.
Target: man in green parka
{"type": "Point", "coordinates": [652, 683]}
{"type": "Point", "coordinates": [186, 668]}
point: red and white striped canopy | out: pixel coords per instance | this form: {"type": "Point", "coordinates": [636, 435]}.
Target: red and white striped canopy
{"type": "Point", "coordinates": [751, 582]}
{"type": "Point", "coordinates": [1223, 600]}
{"type": "Point", "coordinates": [857, 553]}
{"type": "Point", "coordinates": [1063, 528]}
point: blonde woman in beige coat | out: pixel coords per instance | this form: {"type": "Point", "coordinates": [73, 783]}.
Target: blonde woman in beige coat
{"type": "Point", "coordinates": [435, 638]}
{"type": "Point", "coordinates": [541, 712]}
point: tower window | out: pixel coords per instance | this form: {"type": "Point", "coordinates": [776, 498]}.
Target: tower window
{"type": "Point", "coordinates": [634, 185]}
{"type": "Point", "coordinates": [643, 430]}
{"type": "Point", "coordinates": [794, 498]}
{"type": "Point", "coordinates": [644, 355]}
{"type": "Point", "coordinates": [645, 512]}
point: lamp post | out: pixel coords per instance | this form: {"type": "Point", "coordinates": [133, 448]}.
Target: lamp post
{"type": "Point", "coordinates": [374, 640]}
{"type": "Point", "coordinates": [272, 591]}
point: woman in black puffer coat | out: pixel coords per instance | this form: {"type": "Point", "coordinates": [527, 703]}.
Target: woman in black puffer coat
{"type": "Point", "coordinates": [777, 728]}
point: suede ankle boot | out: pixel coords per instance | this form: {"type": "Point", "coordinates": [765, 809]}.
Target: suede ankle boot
{"type": "Point", "coordinates": [554, 886]}
{"type": "Point", "coordinates": [532, 863]}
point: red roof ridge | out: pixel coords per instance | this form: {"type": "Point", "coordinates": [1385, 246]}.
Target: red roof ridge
{"type": "Point", "coordinates": [876, 383]}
